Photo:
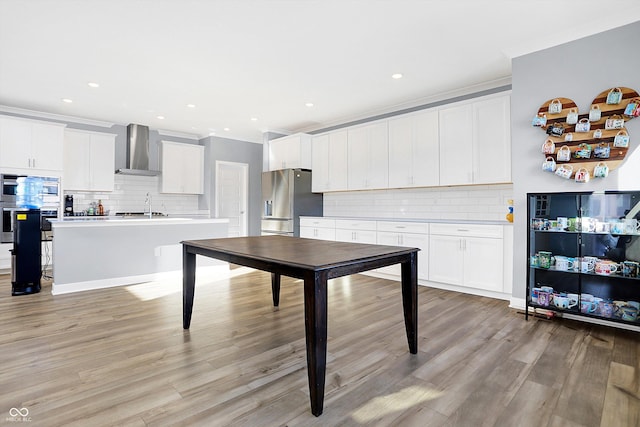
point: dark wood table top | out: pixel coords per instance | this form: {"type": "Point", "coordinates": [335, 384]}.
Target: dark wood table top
{"type": "Point", "coordinates": [308, 254]}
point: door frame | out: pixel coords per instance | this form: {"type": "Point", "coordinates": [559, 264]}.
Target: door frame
{"type": "Point", "coordinates": [244, 168]}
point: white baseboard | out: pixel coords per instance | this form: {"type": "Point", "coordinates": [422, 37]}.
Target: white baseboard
{"type": "Point", "coordinates": [66, 288]}
{"type": "Point", "coordinates": [446, 287]}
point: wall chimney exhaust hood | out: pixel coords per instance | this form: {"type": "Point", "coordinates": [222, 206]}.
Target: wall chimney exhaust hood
{"type": "Point", "coordinates": [137, 152]}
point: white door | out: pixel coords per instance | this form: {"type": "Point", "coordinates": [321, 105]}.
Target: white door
{"type": "Point", "coordinates": [231, 195]}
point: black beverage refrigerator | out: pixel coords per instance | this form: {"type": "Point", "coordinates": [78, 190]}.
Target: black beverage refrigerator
{"type": "Point", "coordinates": [26, 264]}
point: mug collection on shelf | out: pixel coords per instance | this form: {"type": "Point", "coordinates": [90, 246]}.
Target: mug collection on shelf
{"type": "Point", "coordinates": [585, 264]}
{"type": "Point", "coordinates": [587, 225]}
{"type": "Point", "coordinates": [546, 296]}
{"type": "Point", "coordinates": [560, 118]}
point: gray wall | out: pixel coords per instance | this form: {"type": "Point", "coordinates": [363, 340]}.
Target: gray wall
{"type": "Point", "coordinates": [578, 70]}
{"type": "Point", "coordinates": [230, 150]}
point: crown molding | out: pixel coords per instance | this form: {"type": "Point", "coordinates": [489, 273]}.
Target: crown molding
{"type": "Point", "coordinates": [165, 132]}
{"type": "Point", "coordinates": [53, 116]}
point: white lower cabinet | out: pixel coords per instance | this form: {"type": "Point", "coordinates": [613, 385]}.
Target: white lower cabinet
{"type": "Point", "coordinates": [467, 255]}
{"type": "Point", "coordinates": [5, 256]}
{"type": "Point", "coordinates": [356, 231]}
{"type": "Point", "coordinates": [318, 228]}
{"type": "Point", "coordinates": [408, 234]}
{"type": "Point", "coordinates": [471, 258]}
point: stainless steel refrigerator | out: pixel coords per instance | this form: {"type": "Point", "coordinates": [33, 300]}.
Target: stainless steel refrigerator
{"type": "Point", "coordinates": [286, 195]}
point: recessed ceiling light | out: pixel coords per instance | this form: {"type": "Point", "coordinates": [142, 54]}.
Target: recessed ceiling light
{"type": "Point", "coordinates": [160, 117]}
{"type": "Point", "coordinates": [254, 119]}
{"type": "Point", "coordinates": [309, 104]}
{"type": "Point", "coordinates": [93, 84]}
{"type": "Point", "coordinates": [227, 129]}
{"type": "Point", "coordinates": [396, 76]}
{"type": "Point", "coordinates": [67, 100]}
{"type": "Point", "coordinates": [191, 105]}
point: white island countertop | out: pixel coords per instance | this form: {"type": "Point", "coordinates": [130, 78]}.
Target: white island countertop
{"type": "Point", "coordinates": [100, 252]}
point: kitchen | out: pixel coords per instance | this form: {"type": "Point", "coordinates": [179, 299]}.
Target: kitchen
{"type": "Point", "coordinates": [389, 201]}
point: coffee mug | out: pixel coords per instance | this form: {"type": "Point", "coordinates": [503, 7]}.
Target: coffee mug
{"type": "Point", "coordinates": [563, 222]}
{"type": "Point", "coordinates": [629, 313]}
{"type": "Point", "coordinates": [606, 267]}
{"type": "Point", "coordinates": [544, 298]}
{"type": "Point", "coordinates": [534, 261]}
{"type": "Point", "coordinates": [573, 299]}
{"type": "Point", "coordinates": [564, 302]}
{"type": "Point", "coordinates": [631, 226]}
{"type": "Point", "coordinates": [630, 268]}
{"type": "Point", "coordinates": [587, 224]}
{"type": "Point", "coordinates": [617, 227]}
{"type": "Point", "coordinates": [544, 259]}
{"type": "Point", "coordinates": [534, 295]}
{"type": "Point", "coordinates": [563, 263]}
{"type": "Point", "coordinates": [588, 307]}
{"type": "Point", "coordinates": [635, 304]}
{"type": "Point", "coordinates": [606, 308]}
{"type": "Point", "coordinates": [587, 265]}
{"type": "Point", "coordinates": [603, 227]}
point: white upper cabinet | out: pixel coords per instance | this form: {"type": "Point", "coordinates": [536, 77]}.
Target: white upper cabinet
{"type": "Point", "coordinates": [414, 150]}
{"type": "Point", "coordinates": [492, 140]}
{"type": "Point", "coordinates": [368, 156]}
{"type": "Point", "coordinates": [290, 152]}
{"type": "Point", "coordinates": [456, 136]}
{"type": "Point", "coordinates": [89, 161]}
{"type": "Point", "coordinates": [329, 162]}
{"type": "Point", "coordinates": [30, 146]}
{"type": "Point", "coordinates": [475, 142]}
{"type": "Point", "coordinates": [182, 168]}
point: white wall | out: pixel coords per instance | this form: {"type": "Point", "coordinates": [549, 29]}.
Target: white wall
{"type": "Point", "coordinates": [578, 70]}
{"type": "Point", "coordinates": [130, 194]}
{"type": "Point", "coordinates": [474, 202]}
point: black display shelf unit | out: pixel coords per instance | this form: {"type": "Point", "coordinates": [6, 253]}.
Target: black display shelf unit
{"type": "Point", "coordinates": [584, 254]}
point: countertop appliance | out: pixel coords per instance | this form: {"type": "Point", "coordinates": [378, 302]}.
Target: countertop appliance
{"type": "Point", "coordinates": [68, 205]}
{"type": "Point", "coordinates": [286, 195]}
{"type": "Point", "coordinates": [26, 267]}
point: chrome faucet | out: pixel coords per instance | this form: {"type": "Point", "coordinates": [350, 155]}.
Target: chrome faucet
{"type": "Point", "coordinates": [147, 205]}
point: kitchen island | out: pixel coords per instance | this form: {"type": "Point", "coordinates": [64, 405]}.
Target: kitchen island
{"type": "Point", "coordinates": [109, 251]}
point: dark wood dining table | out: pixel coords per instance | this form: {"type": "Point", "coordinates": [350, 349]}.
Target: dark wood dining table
{"type": "Point", "coordinates": [315, 262]}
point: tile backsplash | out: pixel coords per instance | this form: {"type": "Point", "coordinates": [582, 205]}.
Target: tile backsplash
{"type": "Point", "coordinates": [477, 202]}
{"type": "Point", "coordinates": [130, 193]}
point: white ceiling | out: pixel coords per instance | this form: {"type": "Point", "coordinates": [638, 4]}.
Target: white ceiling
{"type": "Point", "coordinates": [264, 59]}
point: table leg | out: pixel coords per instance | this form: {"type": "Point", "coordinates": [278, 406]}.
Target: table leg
{"type": "Point", "coordinates": [188, 285]}
{"type": "Point", "coordinates": [409, 271]}
{"type": "Point", "coordinates": [315, 323]}
{"type": "Point", "coordinates": [275, 288]}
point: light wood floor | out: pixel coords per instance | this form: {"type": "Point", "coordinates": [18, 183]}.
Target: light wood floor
{"type": "Point", "coordinates": [120, 357]}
